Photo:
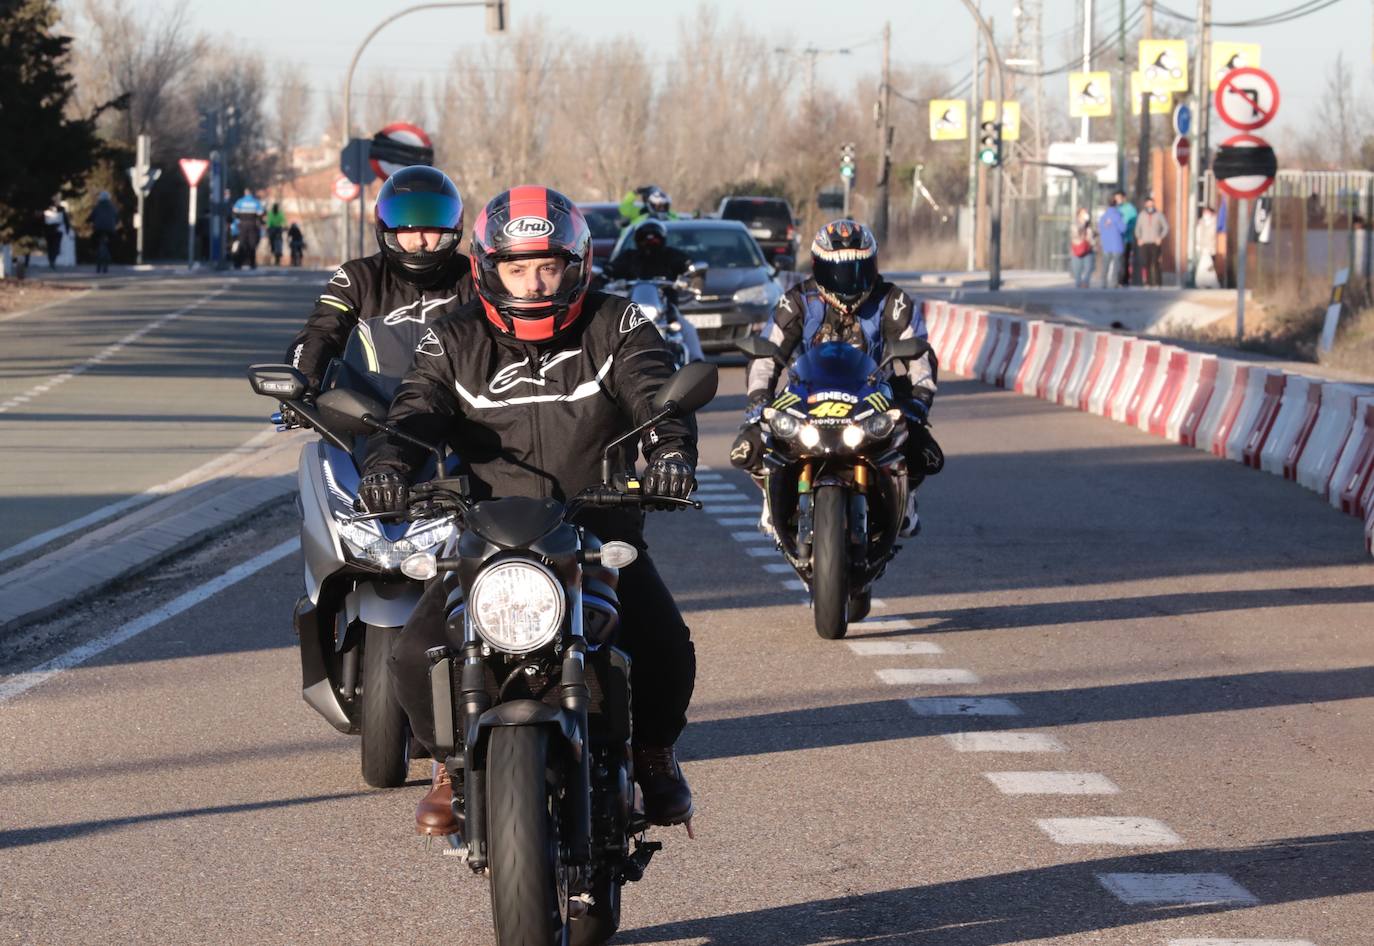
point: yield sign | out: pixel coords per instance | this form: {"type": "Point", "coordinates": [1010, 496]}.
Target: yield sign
{"type": "Point", "coordinates": [193, 169]}
{"type": "Point", "coordinates": [1245, 166]}
{"type": "Point", "coordinates": [1247, 98]}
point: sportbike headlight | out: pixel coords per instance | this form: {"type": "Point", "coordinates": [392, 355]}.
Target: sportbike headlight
{"type": "Point", "coordinates": [880, 425]}
{"type": "Point", "coordinates": [784, 425]}
{"type": "Point", "coordinates": [809, 436]}
{"type": "Point", "coordinates": [517, 606]}
{"type": "Point", "coordinates": [853, 435]}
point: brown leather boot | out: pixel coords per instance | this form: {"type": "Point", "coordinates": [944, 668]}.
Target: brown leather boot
{"type": "Point", "coordinates": [435, 812]}
{"type": "Point", "coordinates": [667, 797]}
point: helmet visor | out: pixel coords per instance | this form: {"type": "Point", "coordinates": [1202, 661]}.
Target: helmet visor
{"type": "Point", "coordinates": [846, 277]}
{"type": "Point", "coordinates": [424, 209]}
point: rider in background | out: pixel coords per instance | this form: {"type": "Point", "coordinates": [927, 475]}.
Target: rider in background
{"type": "Point", "coordinates": [647, 255]}
{"type": "Point", "coordinates": [394, 296]}
{"type": "Point", "coordinates": [276, 223]}
{"type": "Point", "coordinates": [644, 202]}
{"type": "Point", "coordinates": [847, 300]}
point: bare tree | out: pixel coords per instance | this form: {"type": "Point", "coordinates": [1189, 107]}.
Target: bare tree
{"type": "Point", "coordinates": [290, 114]}
{"type": "Point", "coordinates": [1338, 117]}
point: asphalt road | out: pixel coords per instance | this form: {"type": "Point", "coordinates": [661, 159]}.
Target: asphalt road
{"type": "Point", "coordinates": [1175, 651]}
{"type": "Point", "coordinates": [142, 381]}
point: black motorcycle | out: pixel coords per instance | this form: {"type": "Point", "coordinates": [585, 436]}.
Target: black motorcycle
{"type": "Point", "coordinates": [532, 710]}
{"type": "Point", "coordinates": [835, 476]}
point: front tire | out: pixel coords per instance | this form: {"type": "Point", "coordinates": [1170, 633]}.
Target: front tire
{"type": "Point", "coordinates": [386, 733]}
{"type": "Point", "coordinates": [522, 841]}
{"type": "Point", "coordinates": [830, 563]}
{"type": "Point", "coordinates": [602, 920]}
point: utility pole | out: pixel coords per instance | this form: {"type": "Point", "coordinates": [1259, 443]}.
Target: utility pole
{"type": "Point", "coordinates": [884, 116]}
{"type": "Point", "coordinates": [1142, 170]}
{"type": "Point", "coordinates": [1085, 128]}
{"type": "Point", "coordinates": [974, 116]}
{"type": "Point", "coordinates": [1202, 109]}
{"type": "Point", "coordinates": [1000, 90]}
{"type": "Point", "coordinates": [812, 54]}
{"type": "Point", "coordinates": [1121, 97]}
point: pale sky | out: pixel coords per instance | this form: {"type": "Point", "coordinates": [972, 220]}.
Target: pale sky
{"type": "Point", "coordinates": [322, 35]}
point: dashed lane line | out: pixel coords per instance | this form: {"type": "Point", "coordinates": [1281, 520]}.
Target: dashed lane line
{"type": "Point", "coordinates": [1052, 783]}
{"type": "Point", "coordinates": [1177, 889]}
{"type": "Point", "coordinates": [893, 648]}
{"type": "Point", "coordinates": [22, 682]}
{"type": "Point", "coordinates": [926, 676]}
{"type": "Point", "coordinates": [1119, 832]}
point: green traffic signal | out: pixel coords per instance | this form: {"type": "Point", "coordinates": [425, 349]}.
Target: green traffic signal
{"type": "Point", "coordinates": [988, 156]}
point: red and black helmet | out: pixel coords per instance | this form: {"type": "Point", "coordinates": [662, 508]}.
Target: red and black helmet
{"type": "Point", "coordinates": [528, 223]}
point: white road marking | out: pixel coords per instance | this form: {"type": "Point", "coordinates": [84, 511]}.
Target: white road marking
{"type": "Point", "coordinates": [738, 520]}
{"type": "Point", "coordinates": [47, 305]}
{"type": "Point", "coordinates": [21, 682]}
{"type": "Point", "coordinates": [778, 568]}
{"type": "Point", "coordinates": [152, 492]}
{"type": "Point", "coordinates": [732, 507]}
{"type": "Point", "coordinates": [1052, 783]}
{"type": "Point", "coordinates": [1003, 742]}
{"type": "Point", "coordinates": [889, 624]}
{"type": "Point", "coordinates": [892, 648]}
{"type": "Point", "coordinates": [1241, 942]}
{"type": "Point", "coordinates": [761, 551]}
{"type": "Point", "coordinates": [703, 475]}
{"type": "Point", "coordinates": [1176, 889]}
{"type": "Point", "coordinates": [877, 603]}
{"type": "Point", "coordinates": [926, 676]}
{"type": "Point", "coordinates": [109, 351]}
{"type": "Point", "coordinates": [751, 536]}
{"type": "Point", "coordinates": [1123, 832]}
{"type": "Point", "coordinates": [963, 706]}
{"type": "Point", "coordinates": [795, 584]}
{"type": "Point", "coordinates": [712, 487]}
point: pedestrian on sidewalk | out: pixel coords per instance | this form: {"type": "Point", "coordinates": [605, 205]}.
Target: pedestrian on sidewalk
{"type": "Point", "coordinates": [104, 220]}
{"type": "Point", "coordinates": [276, 223]}
{"type": "Point", "coordinates": [1205, 277]}
{"type": "Point", "coordinates": [1113, 237]}
{"type": "Point", "coordinates": [1150, 230]}
{"type": "Point", "coordinates": [1083, 249]}
{"type": "Point", "coordinates": [56, 224]}
{"type": "Point", "coordinates": [1130, 264]}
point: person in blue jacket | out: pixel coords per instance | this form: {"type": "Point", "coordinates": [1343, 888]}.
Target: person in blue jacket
{"type": "Point", "coordinates": [1111, 227]}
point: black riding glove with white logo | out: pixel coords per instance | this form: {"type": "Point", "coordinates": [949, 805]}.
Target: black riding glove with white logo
{"type": "Point", "coordinates": [670, 475]}
{"type": "Point", "coordinates": [383, 492]}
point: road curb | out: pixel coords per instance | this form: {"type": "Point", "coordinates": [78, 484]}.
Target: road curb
{"type": "Point", "coordinates": [145, 537]}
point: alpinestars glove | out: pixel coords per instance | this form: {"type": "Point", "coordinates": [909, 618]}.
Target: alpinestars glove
{"type": "Point", "coordinates": [670, 475]}
{"type": "Point", "coordinates": [383, 492]}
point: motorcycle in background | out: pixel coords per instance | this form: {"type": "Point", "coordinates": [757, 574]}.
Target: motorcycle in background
{"type": "Point", "coordinates": [835, 478]}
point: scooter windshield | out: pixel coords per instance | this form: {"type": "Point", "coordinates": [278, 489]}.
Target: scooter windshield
{"type": "Point", "coordinates": [833, 366]}
{"type": "Point", "coordinates": [367, 369]}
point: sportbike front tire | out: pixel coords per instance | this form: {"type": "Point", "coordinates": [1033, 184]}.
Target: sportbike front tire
{"type": "Point", "coordinates": [830, 562]}
{"type": "Point", "coordinates": [385, 730]}
{"type": "Point", "coordinates": [522, 842]}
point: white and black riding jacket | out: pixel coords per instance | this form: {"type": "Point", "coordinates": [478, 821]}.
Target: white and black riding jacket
{"type": "Point", "coordinates": [392, 315]}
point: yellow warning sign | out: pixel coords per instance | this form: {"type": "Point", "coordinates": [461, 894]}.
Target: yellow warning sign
{"type": "Point", "coordinates": [1164, 64]}
{"type": "Point", "coordinates": [1090, 94]}
{"type": "Point", "coordinates": [1011, 118]}
{"type": "Point", "coordinates": [1227, 56]}
{"type": "Point", "coordinates": [948, 120]}
{"type": "Point", "coordinates": [1161, 103]}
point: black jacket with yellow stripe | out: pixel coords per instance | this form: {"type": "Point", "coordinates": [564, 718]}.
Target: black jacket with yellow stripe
{"type": "Point", "coordinates": [392, 316]}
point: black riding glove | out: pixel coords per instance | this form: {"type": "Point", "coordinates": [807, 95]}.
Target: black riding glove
{"type": "Point", "coordinates": [383, 492]}
{"type": "Point", "coordinates": [670, 475]}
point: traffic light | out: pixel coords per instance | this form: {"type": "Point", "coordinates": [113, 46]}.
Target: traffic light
{"type": "Point", "coordinates": [990, 144]}
{"type": "Point", "coordinates": [497, 16]}
{"type": "Point", "coordinates": [847, 160]}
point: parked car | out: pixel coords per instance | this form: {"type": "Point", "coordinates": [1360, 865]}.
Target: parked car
{"type": "Point", "coordinates": [604, 220]}
{"type": "Point", "coordinates": [738, 286]}
{"type": "Point", "coordinates": [770, 221]}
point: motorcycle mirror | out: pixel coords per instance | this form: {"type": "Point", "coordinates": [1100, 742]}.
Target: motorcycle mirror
{"type": "Point", "coordinates": [689, 389]}
{"type": "Point", "coordinates": [756, 347]}
{"type": "Point", "coordinates": [350, 410]}
{"type": "Point", "coordinates": [698, 267]}
{"type": "Point", "coordinates": [422, 566]}
{"type": "Point", "coordinates": [282, 382]}
{"type": "Point", "coordinates": [905, 348]}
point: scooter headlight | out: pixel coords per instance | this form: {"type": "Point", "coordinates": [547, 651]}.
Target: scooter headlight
{"type": "Point", "coordinates": [517, 606]}
{"type": "Point", "coordinates": [366, 542]}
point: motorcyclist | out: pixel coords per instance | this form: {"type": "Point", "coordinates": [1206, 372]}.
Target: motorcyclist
{"type": "Point", "coordinates": [649, 201]}
{"type": "Point", "coordinates": [846, 299]}
{"type": "Point", "coordinates": [647, 255]}
{"type": "Point", "coordinates": [395, 295]}
{"type": "Point", "coordinates": [530, 382]}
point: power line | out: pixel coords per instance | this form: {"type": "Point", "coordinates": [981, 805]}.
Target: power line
{"type": "Point", "coordinates": [1272, 19]}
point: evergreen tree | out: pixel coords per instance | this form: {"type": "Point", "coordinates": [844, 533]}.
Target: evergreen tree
{"type": "Point", "coordinates": [44, 152]}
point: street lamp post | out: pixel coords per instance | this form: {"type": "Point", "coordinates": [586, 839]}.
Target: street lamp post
{"type": "Point", "coordinates": [995, 222]}
{"type": "Point", "coordinates": [353, 64]}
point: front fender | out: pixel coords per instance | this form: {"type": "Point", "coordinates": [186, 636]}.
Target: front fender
{"type": "Point", "coordinates": [384, 603]}
{"type": "Point", "coordinates": [525, 713]}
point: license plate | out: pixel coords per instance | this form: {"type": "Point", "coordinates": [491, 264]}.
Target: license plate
{"type": "Point", "coordinates": [705, 320]}
{"type": "Point", "coordinates": [761, 233]}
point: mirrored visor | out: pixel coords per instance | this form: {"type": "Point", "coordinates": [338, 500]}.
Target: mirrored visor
{"type": "Point", "coordinates": [420, 209]}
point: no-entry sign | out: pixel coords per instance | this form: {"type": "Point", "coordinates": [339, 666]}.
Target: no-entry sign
{"type": "Point", "coordinates": [1245, 166]}
{"type": "Point", "coordinates": [346, 190]}
{"type": "Point", "coordinates": [1247, 98]}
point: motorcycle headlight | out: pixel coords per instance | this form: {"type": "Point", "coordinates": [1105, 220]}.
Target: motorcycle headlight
{"type": "Point", "coordinates": [879, 425]}
{"type": "Point", "coordinates": [809, 436]}
{"type": "Point", "coordinates": [753, 295]}
{"type": "Point", "coordinates": [366, 542]}
{"type": "Point", "coordinates": [853, 435]}
{"type": "Point", "coordinates": [517, 606]}
{"type": "Point", "coordinates": [784, 425]}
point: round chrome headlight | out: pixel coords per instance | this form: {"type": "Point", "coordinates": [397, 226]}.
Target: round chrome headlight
{"type": "Point", "coordinates": [517, 606]}
{"type": "Point", "coordinates": [784, 425]}
{"type": "Point", "coordinates": [879, 425]}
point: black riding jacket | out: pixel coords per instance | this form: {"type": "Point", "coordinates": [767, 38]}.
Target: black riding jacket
{"type": "Point", "coordinates": [395, 315]}
{"type": "Point", "coordinates": [534, 420]}
{"type": "Point", "coordinates": [665, 263]}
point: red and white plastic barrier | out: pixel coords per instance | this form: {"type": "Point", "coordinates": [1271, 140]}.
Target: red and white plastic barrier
{"type": "Point", "coordinates": [1319, 433]}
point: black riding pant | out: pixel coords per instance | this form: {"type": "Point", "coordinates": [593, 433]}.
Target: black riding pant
{"type": "Point", "coordinates": [652, 632]}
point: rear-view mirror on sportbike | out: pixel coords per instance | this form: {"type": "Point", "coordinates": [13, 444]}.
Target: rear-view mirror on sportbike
{"type": "Point", "coordinates": [689, 389]}
{"type": "Point", "coordinates": [756, 347]}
